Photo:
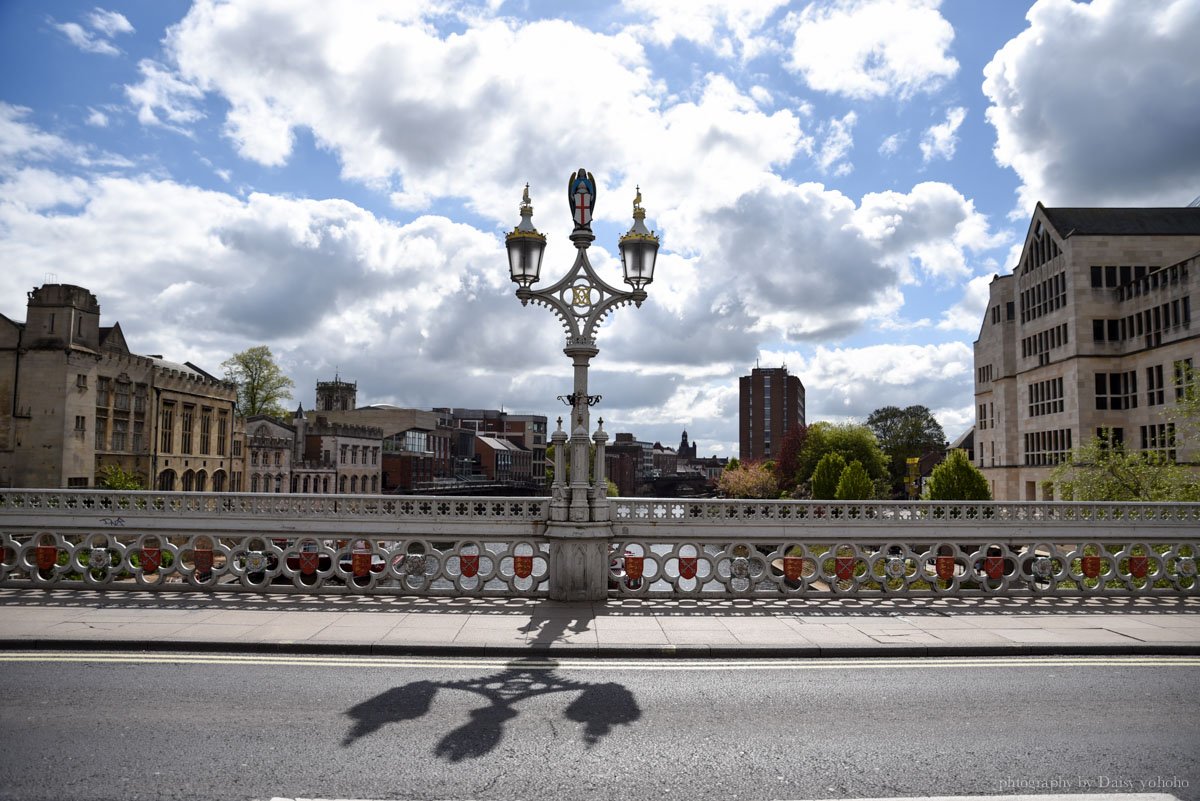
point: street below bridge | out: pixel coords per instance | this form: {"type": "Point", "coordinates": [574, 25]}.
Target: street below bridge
{"type": "Point", "coordinates": [132, 725]}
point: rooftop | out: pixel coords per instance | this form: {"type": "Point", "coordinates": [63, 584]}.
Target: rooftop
{"type": "Point", "coordinates": [1171, 221]}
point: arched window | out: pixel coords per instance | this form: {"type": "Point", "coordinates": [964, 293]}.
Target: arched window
{"type": "Point", "coordinates": [342, 484]}
{"type": "Point", "coordinates": [374, 483]}
{"type": "Point", "coordinates": [306, 483]}
{"type": "Point", "coordinates": [201, 481]}
{"type": "Point", "coordinates": [279, 483]}
{"type": "Point", "coordinates": [295, 483]}
{"type": "Point", "coordinates": [354, 483]}
{"type": "Point", "coordinates": [325, 485]}
{"type": "Point", "coordinates": [218, 482]}
{"type": "Point", "coordinates": [189, 481]}
{"type": "Point", "coordinates": [166, 481]}
{"type": "Point", "coordinates": [254, 483]}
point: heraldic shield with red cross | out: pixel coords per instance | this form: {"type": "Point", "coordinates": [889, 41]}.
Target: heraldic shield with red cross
{"type": "Point", "coordinates": [581, 192]}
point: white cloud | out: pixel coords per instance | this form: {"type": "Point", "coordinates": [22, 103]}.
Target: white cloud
{"type": "Point", "coordinates": [967, 314]}
{"type": "Point", "coordinates": [104, 25]}
{"type": "Point", "coordinates": [940, 141]}
{"type": "Point", "coordinates": [425, 116]}
{"type": "Point", "coordinates": [25, 140]}
{"type": "Point", "coordinates": [715, 24]}
{"type": "Point", "coordinates": [162, 91]}
{"type": "Point", "coordinates": [109, 23]}
{"type": "Point", "coordinates": [930, 230]}
{"type": "Point", "coordinates": [872, 48]}
{"type": "Point", "coordinates": [1099, 104]}
{"type": "Point", "coordinates": [836, 145]}
{"type": "Point", "coordinates": [97, 118]}
{"type": "Point", "coordinates": [843, 383]}
{"type": "Point", "coordinates": [891, 145]}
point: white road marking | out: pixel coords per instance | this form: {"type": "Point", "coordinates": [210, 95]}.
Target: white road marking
{"type": "Point", "coordinates": [568, 663]}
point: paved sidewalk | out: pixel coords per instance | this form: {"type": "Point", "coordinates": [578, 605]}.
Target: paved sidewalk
{"type": "Point", "coordinates": [33, 619]}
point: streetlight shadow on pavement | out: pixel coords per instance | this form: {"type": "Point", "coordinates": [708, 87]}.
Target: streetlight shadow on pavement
{"type": "Point", "coordinates": [598, 707]}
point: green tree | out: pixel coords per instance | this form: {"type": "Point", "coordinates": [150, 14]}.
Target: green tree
{"type": "Point", "coordinates": [855, 484]}
{"type": "Point", "coordinates": [826, 475]}
{"type": "Point", "coordinates": [787, 470]}
{"type": "Point", "coordinates": [1100, 471]}
{"type": "Point", "coordinates": [904, 433]}
{"type": "Point", "coordinates": [113, 477]}
{"type": "Point", "coordinates": [748, 480]}
{"type": "Point", "coordinates": [956, 479]}
{"type": "Point", "coordinates": [852, 441]}
{"type": "Point", "coordinates": [1185, 414]}
{"type": "Point", "coordinates": [261, 385]}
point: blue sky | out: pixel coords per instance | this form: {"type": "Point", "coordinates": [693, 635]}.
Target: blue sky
{"type": "Point", "coordinates": [834, 182]}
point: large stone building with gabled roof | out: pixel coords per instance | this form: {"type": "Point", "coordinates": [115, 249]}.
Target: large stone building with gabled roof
{"type": "Point", "coordinates": [74, 399]}
{"type": "Point", "coordinates": [1091, 335]}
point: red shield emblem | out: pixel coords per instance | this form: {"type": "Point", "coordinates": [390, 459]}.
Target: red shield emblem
{"type": "Point", "coordinates": [993, 566]}
{"type": "Point", "coordinates": [523, 566]}
{"type": "Point", "coordinates": [203, 558]}
{"type": "Point", "coordinates": [360, 563]}
{"type": "Point", "coordinates": [469, 564]}
{"type": "Point", "coordinates": [845, 567]}
{"type": "Point", "coordinates": [47, 557]}
{"type": "Point", "coordinates": [309, 562]}
{"type": "Point", "coordinates": [945, 568]}
{"type": "Point", "coordinates": [793, 567]}
{"type": "Point", "coordinates": [1139, 566]}
{"type": "Point", "coordinates": [1091, 566]}
{"type": "Point", "coordinates": [687, 567]}
{"type": "Point", "coordinates": [151, 559]}
{"type": "Point", "coordinates": [634, 566]}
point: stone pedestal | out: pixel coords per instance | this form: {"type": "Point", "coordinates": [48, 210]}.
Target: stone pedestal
{"type": "Point", "coordinates": [579, 561]}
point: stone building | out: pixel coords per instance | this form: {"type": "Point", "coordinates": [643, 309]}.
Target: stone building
{"type": "Point", "coordinates": [270, 446]}
{"type": "Point", "coordinates": [1089, 336]}
{"type": "Point", "coordinates": [74, 400]}
{"type": "Point", "coordinates": [770, 401]}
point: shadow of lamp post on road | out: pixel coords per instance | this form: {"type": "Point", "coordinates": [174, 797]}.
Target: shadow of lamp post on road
{"type": "Point", "coordinates": [599, 707]}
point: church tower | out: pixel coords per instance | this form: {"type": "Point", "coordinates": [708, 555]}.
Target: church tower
{"type": "Point", "coordinates": [336, 395]}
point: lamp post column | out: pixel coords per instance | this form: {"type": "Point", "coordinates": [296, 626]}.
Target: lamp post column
{"type": "Point", "coordinates": [580, 355]}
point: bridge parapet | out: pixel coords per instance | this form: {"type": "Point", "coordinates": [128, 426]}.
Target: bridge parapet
{"type": "Point", "coordinates": [662, 547]}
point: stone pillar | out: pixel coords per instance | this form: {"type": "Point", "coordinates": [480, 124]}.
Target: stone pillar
{"type": "Point", "coordinates": [600, 512]}
{"type": "Point", "coordinates": [559, 506]}
{"type": "Point", "coordinates": [579, 561]}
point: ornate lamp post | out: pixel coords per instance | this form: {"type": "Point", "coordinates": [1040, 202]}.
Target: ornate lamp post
{"type": "Point", "coordinates": [581, 300]}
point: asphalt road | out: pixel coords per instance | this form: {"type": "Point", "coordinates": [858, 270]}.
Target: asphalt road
{"type": "Point", "coordinates": [159, 726]}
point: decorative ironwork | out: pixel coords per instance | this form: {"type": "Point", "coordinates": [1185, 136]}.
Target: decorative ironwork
{"type": "Point", "coordinates": [574, 398]}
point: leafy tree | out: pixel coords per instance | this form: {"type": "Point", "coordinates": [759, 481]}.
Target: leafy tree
{"type": "Point", "coordinates": [855, 484]}
{"type": "Point", "coordinates": [787, 471]}
{"type": "Point", "coordinates": [114, 478]}
{"type": "Point", "coordinates": [826, 475]}
{"type": "Point", "coordinates": [1185, 414]}
{"type": "Point", "coordinates": [1099, 471]}
{"type": "Point", "coordinates": [262, 387]}
{"type": "Point", "coordinates": [904, 433]}
{"type": "Point", "coordinates": [748, 480]}
{"type": "Point", "coordinates": [956, 479]}
{"type": "Point", "coordinates": [853, 442]}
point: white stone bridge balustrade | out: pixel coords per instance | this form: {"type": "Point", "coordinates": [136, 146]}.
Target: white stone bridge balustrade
{"type": "Point", "coordinates": [468, 546]}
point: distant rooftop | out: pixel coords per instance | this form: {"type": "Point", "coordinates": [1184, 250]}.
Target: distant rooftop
{"type": "Point", "coordinates": [1173, 221]}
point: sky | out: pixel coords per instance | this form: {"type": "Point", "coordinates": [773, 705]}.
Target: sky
{"type": "Point", "coordinates": [835, 183]}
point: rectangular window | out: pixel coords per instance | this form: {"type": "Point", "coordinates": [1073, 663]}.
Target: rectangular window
{"type": "Point", "coordinates": [222, 431]}
{"type": "Point", "coordinates": [81, 380]}
{"type": "Point", "coordinates": [101, 433]}
{"type": "Point", "coordinates": [1185, 377]}
{"type": "Point", "coordinates": [205, 431]}
{"type": "Point", "coordinates": [103, 391]}
{"type": "Point", "coordinates": [120, 434]}
{"type": "Point", "coordinates": [1154, 385]}
{"type": "Point", "coordinates": [77, 482]}
{"type": "Point", "coordinates": [237, 447]}
{"type": "Point", "coordinates": [186, 419]}
{"type": "Point", "coordinates": [122, 399]}
{"type": "Point", "coordinates": [139, 436]}
{"type": "Point", "coordinates": [139, 399]}
{"type": "Point", "coordinates": [166, 428]}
